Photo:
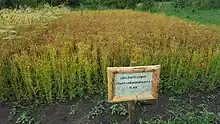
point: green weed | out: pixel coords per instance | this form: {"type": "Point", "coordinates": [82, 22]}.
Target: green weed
{"type": "Point", "coordinates": [119, 109]}
{"type": "Point", "coordinates": [97, 111]}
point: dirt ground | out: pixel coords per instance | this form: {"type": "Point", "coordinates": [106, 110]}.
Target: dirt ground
{"type": "Point", "coordinates": [92, 110]}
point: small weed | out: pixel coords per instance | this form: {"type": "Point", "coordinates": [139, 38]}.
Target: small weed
{"type": "Point", "coordinates": [72, 112]}
{"type": "Point", "coordinates": [14, 110]}
{"type": "Point", "coordinates": [96, 111]}
{"type": "Point", "coordinates": [202, 117]}
{"type": "Point", "coordinates": [218, 118]}
{"type": "Point", "coordinates": [25, 118]}
{"type": "Point", "coordinates": [12, 113]}
{"type": "Point", "coordinates": [73, 109]}
{"type": "Point", "coordinates": [119, 109]}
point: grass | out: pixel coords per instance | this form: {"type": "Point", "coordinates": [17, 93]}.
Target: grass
{"type": "Point", "coordinates": [203, 16]}
{"type": "Point", "coordinates": [202, 117]}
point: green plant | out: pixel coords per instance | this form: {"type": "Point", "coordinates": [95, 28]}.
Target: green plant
{"type": "Point", "coordinates": [118, 109]}
{"type": "Point", "coordinates": [96, 111]}
{"type": "Point", "coordinates": [203, 117]}
{"type": "Point", "coordinates": [26, 119]}
{"type": "Point", "coordinates": [147, 4]}
{"type": "Point", "coordinates": [119, 4]}
{"type": "Point", "coordinates": [218, 117]}
{"type": "Point", "coordinates": [12, 113]}
{"type": "Point", "coordinates": [191, 14]}
{"type": "Point", "coordinates": [180, 3]}
{"type": "Point", "coordinates": [72, 109]}
{"type": "Point", "coordinates": [196, 3]}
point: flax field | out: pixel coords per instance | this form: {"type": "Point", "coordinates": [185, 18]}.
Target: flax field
{"type": "Point", "coordinates": [58, 59]}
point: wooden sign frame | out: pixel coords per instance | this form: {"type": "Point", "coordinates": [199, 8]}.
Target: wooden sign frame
{"type": "Point", "coordinates": [111, 71]}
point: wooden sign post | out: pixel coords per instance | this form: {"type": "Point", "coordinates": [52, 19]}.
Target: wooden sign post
{"type": "Point", "coordinates": [134, 83]}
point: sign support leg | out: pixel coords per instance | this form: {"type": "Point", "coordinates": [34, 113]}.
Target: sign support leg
{"type": "Point", "coordinates": [131, 110]}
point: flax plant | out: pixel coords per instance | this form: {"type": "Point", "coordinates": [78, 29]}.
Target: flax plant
{"type": "Point", "coordinates": [67, 58]}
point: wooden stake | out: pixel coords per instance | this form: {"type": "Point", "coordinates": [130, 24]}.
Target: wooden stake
{"type": "Point", "coordinates": [131, 105]}
{"type": "Point", "coordinates": [131, 110]}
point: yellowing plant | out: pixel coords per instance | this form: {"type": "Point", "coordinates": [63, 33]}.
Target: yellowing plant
{"type": "Point", "coordinates": [68, 57]}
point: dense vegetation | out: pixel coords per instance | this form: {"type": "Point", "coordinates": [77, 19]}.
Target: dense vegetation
{"type": "Point", "coordinates": [50, 54]}
{"type": "Point", "coordinates": [203, 16]}
{"type": "Point", "coordinates": [119, 4]}
{"type": "Point", "coordinates": [68, 57]}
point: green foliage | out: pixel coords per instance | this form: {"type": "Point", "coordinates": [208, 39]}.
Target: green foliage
{"type": "Point", "coordinates": [119, 4]}
{"type": "Point", "coordinates": [25, 118]}
{"type": "Point", "coordinates": [196, 3]}
{"type": "Point", "coordinates": [34, 3]}
{"type": "Point", "coordinates": [145, 5]}
{"type": "Point", "coordinates": [122, 4]}
{"type": "Point", "coordinates": [28, 2]}
{"type": "Point", "coordinates": [205, 4]}
{"type": "Point", "coordinates": [96, 111]}
{"type": "Point", "coordinates": [92, 4]}
{"type": "Point", "coordinates": [180, 3]}
{"type": "Point", "coordinates": [200, 16]}
{"type": "Point", "coordinates": [8, 4]}
{"type": "Point", "coordinates": [119, 109]}
{"type": "Point", "coordinates": [12, 113]}
{"type": "Point", "coordinates": [202, 117]}
{"type": "Point", "coordinates": [72, 110]}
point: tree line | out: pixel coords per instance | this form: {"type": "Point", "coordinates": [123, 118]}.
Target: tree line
{"type": "Point", "coordinates": [118, 4]}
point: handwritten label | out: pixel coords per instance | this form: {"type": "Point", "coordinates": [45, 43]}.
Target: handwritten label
{"type": "Point", "coordinates": [133, 83]}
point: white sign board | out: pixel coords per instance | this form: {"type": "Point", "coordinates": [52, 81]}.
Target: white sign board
{"type": "Point", "coordinates": [133, 83]}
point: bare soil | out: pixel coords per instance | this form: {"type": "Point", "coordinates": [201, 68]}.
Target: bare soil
{"type": "Point", "coordinates": [80, 111]}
